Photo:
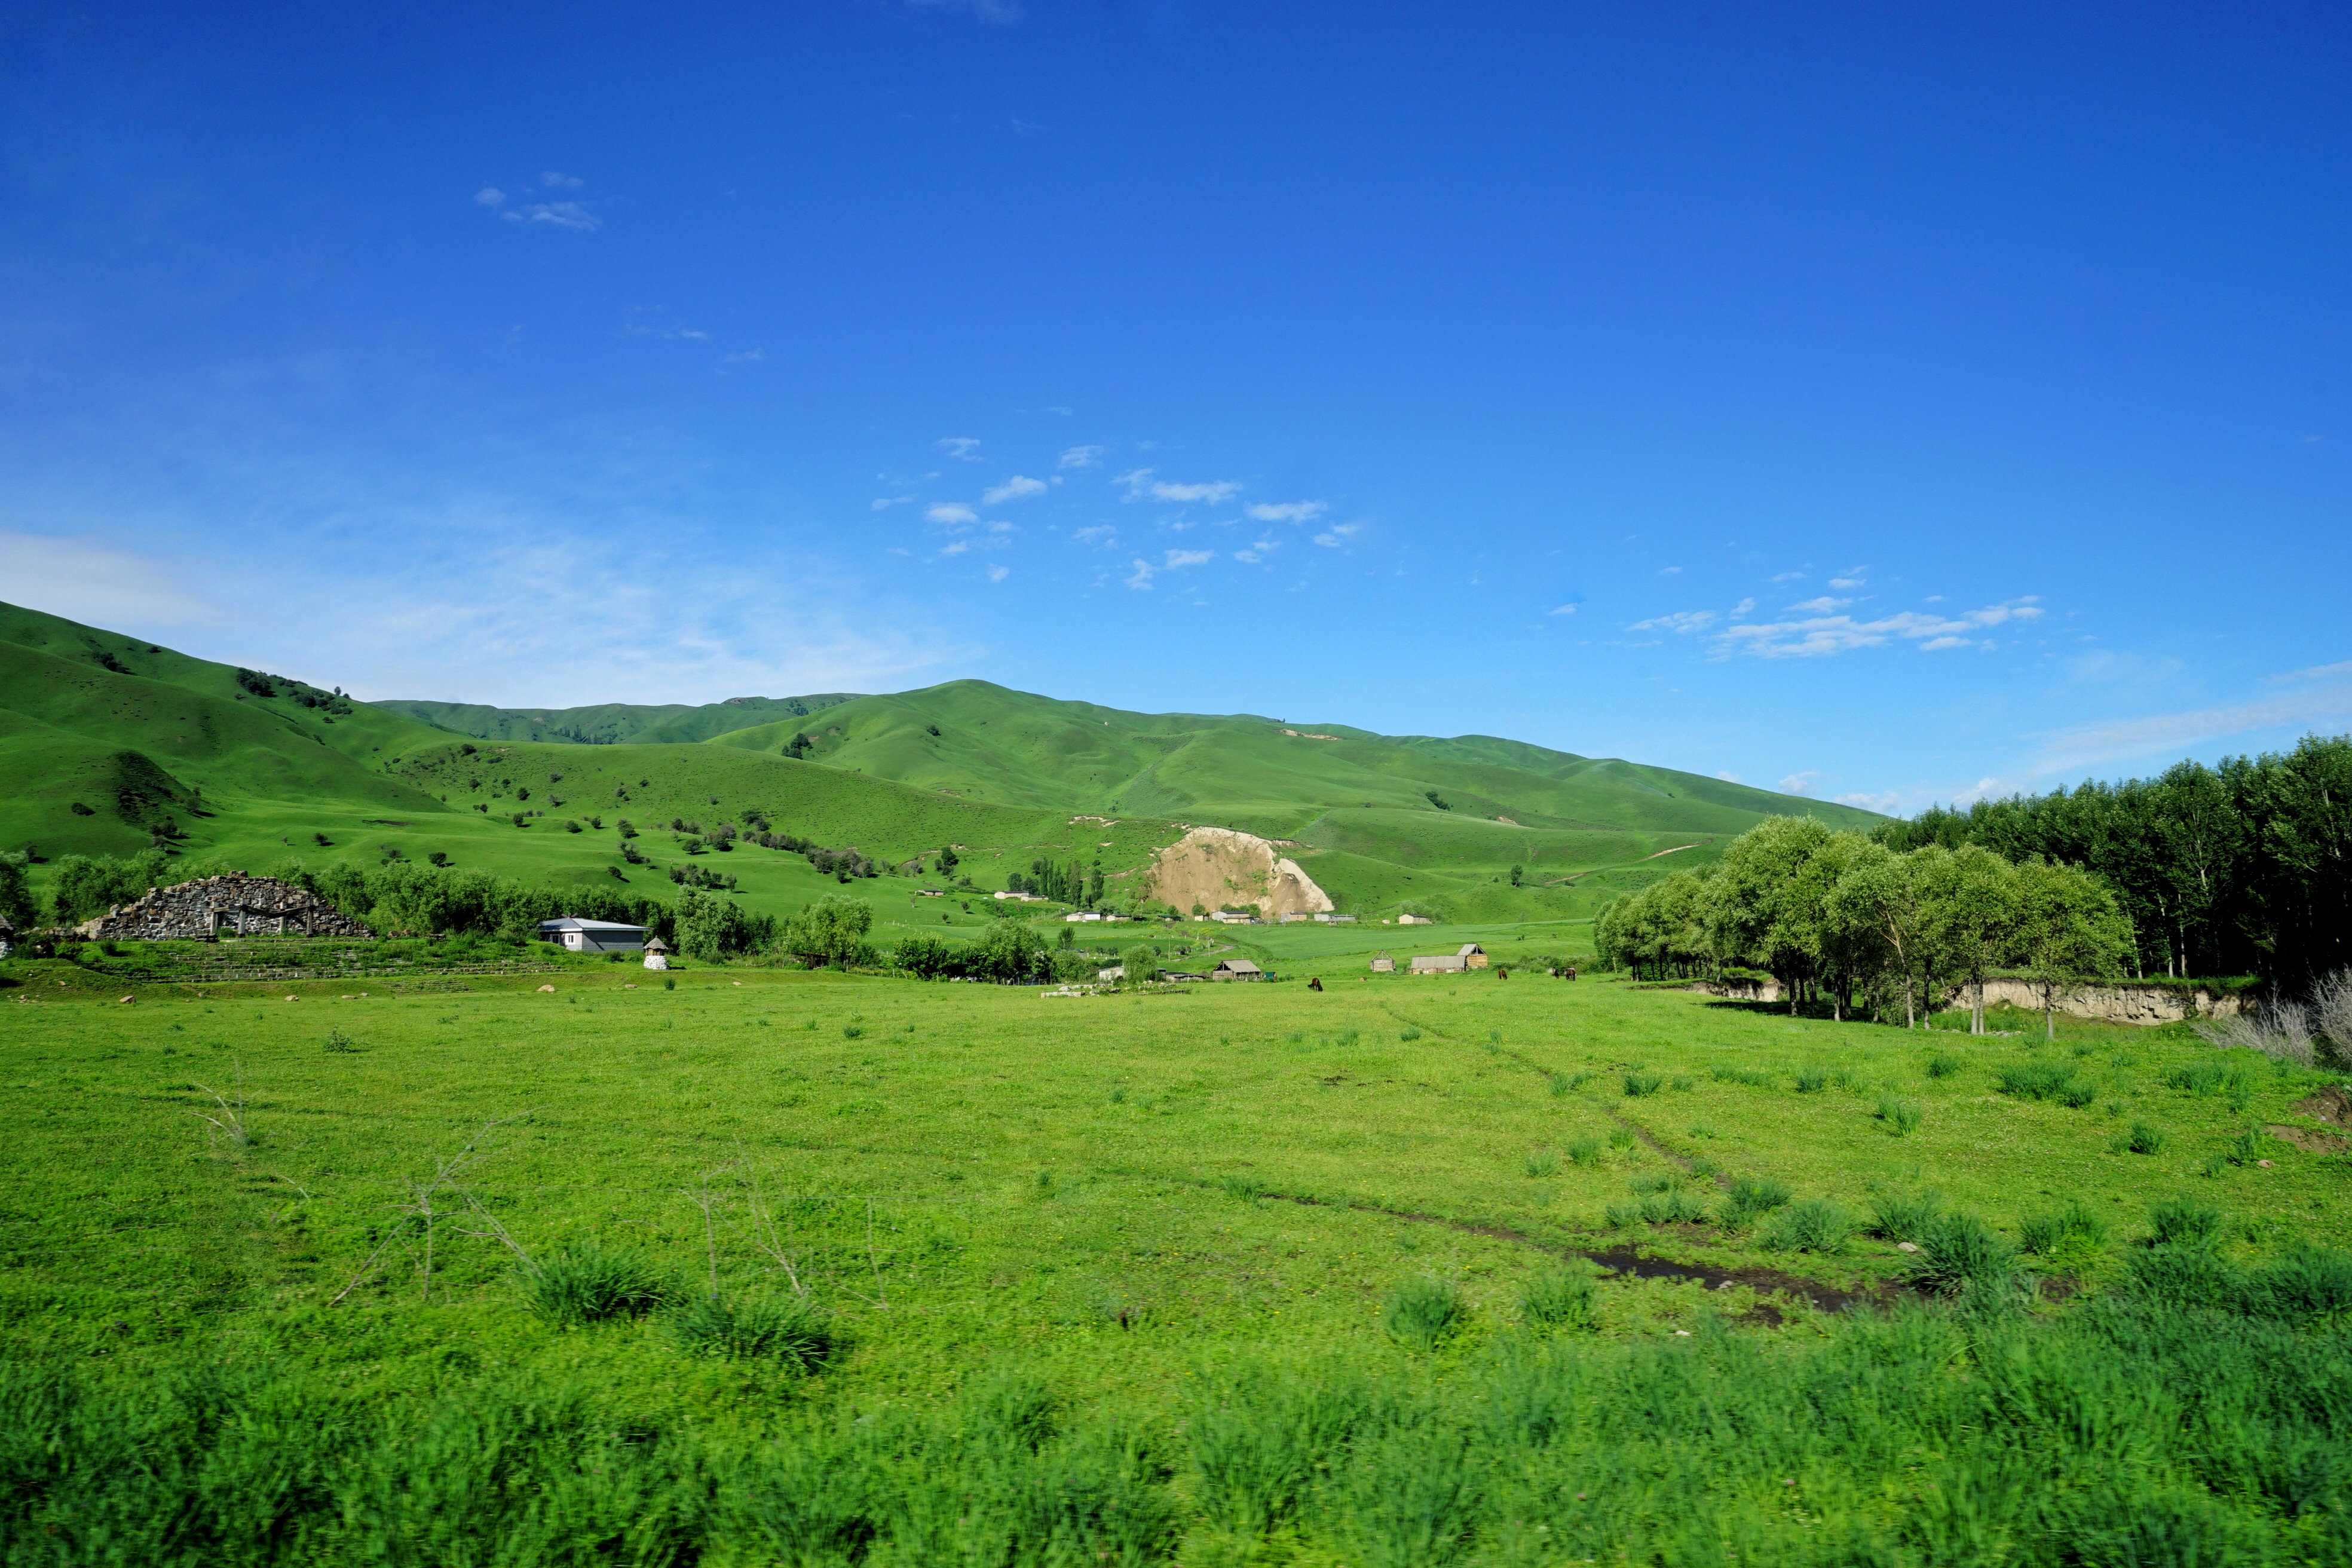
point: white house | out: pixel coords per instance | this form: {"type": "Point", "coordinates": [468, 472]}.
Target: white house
{"type": "Point", "coordinates": [1077, 915]}
{"type": "Point", "coordinates": [576, 935]}
{"type": "Point", "coordinates": [1415, 920]}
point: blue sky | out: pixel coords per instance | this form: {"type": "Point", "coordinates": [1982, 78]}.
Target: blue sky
{"type": "Point", "coordinates": [1887, 403]}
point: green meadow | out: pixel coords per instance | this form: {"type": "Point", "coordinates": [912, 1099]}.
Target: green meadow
{"type": "Point", "coordinates": [779, 1266]}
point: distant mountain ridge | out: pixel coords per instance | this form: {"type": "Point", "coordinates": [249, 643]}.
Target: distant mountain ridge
{"type": "Point", "coordinates": [612, 724]}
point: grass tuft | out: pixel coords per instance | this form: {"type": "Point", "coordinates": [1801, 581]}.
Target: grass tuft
{"type": "Point", "coordinates": [585, 1283]}
{"type": "Point", "coordinates": [1640, 1084]}
{"type": "Point", "coordinates": [1903, 1217]}
{"type": "Point", "coordinates": [1420, 1313]}
{"type": "Point", "coordinates": [1941, 1064]}
{"type": "Point", "coordinates": [1962, 1257]}
{"type": "Point", "coordinates": [2072, 1230]}
{"type": "Point", "coordinates": [1902, 1117]}
{"type": "Point", "coordinates": [1813, 1225]}
{"type": "Point", "coordinates": [1812, 1080]}
{"type": "Point", "coordinates": [784, 1329]}
{"type": "Point", "coordinates": [1543, 1162]}
{"type": "Point", "coordinates": [2184, 1222]}
{"type": "Point", "coordinates": [1751, 1199]}
{"type": "Point", "coordinates": [1585, 1152]}
{"type": "Point", "coordinates": [1562, 1298]}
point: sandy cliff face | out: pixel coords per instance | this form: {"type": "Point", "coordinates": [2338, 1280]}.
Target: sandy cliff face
{"type": "Point", "coordinates": [1214, 866]}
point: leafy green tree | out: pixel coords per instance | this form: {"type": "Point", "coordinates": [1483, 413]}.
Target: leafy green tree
{"type": "Point", "coordinates": [926, 957]}
{"type": "Point", "coordinates": [830, 931]}
{"type": "Point", "coordinates": [87, 885]}
{"type": "Point", "coordinates": [947, 861]}
{"type": "Point", "coordinates": [1882, 903]}
{"type": "Point", "coordinates": [2067, 927]}
{"type": "Point", "coordinates": [1973, 894]}
{"type": "Point", "coordinates": [16, 906]}
{"type": "Point", "coordinates": [1771, 892]}
{"type": "Point", "coordinates": [1009, 953]}
{"type": "Point", "coordinates": [1142, 963]}
{"type": "Point", "coordinates": [711, 927]}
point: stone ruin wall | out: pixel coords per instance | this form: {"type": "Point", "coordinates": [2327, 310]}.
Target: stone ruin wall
{"type": "Point", "coordinates": [224, 906]}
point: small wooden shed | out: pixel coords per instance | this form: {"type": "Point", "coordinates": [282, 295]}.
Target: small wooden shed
{"type": "Point", "coordinates": [1472, 955]}
{"type": "Point", "coordinates": [1383, 965]}
{"type": "Point", "coordinates": [1236, 969]}
{"type": "Point", "coordinates": [1440, 964]}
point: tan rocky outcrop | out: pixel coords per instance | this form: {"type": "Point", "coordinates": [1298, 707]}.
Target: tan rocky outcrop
{"type": "Point", "coordinates": [1214, 866]}
{"type": "Point", "coordinates": [2118, 1002]}
{"type": "Point", "coordinates": [234, 905]}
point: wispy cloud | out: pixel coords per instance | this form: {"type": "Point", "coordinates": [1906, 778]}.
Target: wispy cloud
{"type": "Point", "coordinates": [2327, 700]}
{"type": "Point", "coordinates": [999, 574]}
{"type": "Point", "coordinates": [1140, 484]}
{"type": "Point", "coordinates": [1883, 802]}
{"type": "Point", "coordinates": [1338, 536]}
{"type": "Point", "coordinates": [1799, 783]}
{"type": "Point", "coordinates": [1682, 622]}
{"type": "Point", "coordinates": [887, 503]}
{"type": "Point", "coordinates": [1820, 636]}
{"type": "Point", "coordinates": [1181, 558]}
{"type": "Point", "coordinates": [1081, 458]}
{"type": "Point", "coordinates": [1017, 488]}
{"type": "Point", "coordinates": [1563, 610]}
{"type": "Point", "coordinates": [964, 446]}
{"type": "Point", "coordinates": [490, 196]}
{"type": "Point", "coordinates": [1141, 576]}
{"type": "Point", "coordinates": [556, 180]}
{"type": "Point", "coordinates": [1287, 511]}
{"type": "Point", "coordinates": [1670, 571]}
{"type": "Point", "coordinates": [562, 214]}
{"type": "Point", "coordinates": [952, 513]}
{"type": "Point", "coordinates": [1788, 576]}
{"type": "Point", "coordinates": [85, 580]}
{"type": "Point", "coordinates": [1821, 606]}
{"type": "Point", "coordinates": [1729, 777]}
{"type": "Point", "coordinates": [1100, 531]}
{"type": "Point", "coordinates": [1742, 607]}
{"type": "Point", "coordinates": [1003, 13]}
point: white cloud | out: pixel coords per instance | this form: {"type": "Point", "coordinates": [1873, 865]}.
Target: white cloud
{"type": "Point", "coordinates": [490, 196]}
{"type": "Point", "coordinates": [999, 574]}
{"type": "Point", "coordinates": [1179, 558]}
{"type": "Point", "coordinates": [1742, 607]}
{"type": "Point", "coordinates": [1335, 538]}
{"type": "Point", "coordinates": [963, 446]}
{"type": "Point", "coordinates": [1799, 783]}
{"type": "Point", "coordinates": [1563, 610]}
{"type": "Point", "coordinates": [1247, 557]}
{"type": "Point", "coordinates": [748, 356]}
{"type": "Point", "coordinates": [1827, 634]}
{"type": "Point", "coordinates": [2327, 702]}
{"type": "Point", "coordinates": [84, 580]}
{"type": "Point", "coordinates": [1975, 792]}
{"type": "Point", "coordinates": [1101, 530]}
{"type": "Point", "coordinates": [951, 512]}
{"type": "Point", "coordinates": [1883, 802]}
{"type": "Point", "coordinates": [558, 181]}
{"type": "Point", "coordinates": [1729, 777]}
{"type": "Point", "coordinates": [1847, 584]}
{"type": "Point", "coordinates": [1682, 622]}
{"type": "Point", "coordinates": [1000, 528]}
{"type": "Point", "coordinates": [1017, 488]}
{"type": "Point", "coordinates": [1788, 577]}
{"type": "Point", "coordinates": [1141, 576]}
{"type": "Point", "coordinates": [562, 214]}
{"type": "Point", "coordinates": [1140, 484]}
{"type": "Point", "coordinates": [1938, 645]}
{"type": "Point", "coordinates": [1821, 606]}
{"type": "Point", "coordinates": [887, 503]}
{"type": "Point", "coordinates": [1669, 571]}
{"type": "Point", "coordinates": [958, 548]}
{"type": "Point", "coordinates": [1081, 458]}
{"type": "Point", "coordinates": [1287, 511]}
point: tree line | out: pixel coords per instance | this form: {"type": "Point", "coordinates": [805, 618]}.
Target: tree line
{"type": "Point", "coordinates": [2241, 868]}
{"type": "Point", "coordinates": [1842, 916]}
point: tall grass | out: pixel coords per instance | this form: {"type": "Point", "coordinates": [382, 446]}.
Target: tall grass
{"type": "Point", "coordinates": [2194, 1418]}
{"type": "Point", "coordinates": [1561, 1297]}
{"type": "Point", "coordinates": [1813, 1224]}
{"type": "Point", "coordinates": [585, 1283]}
{"type": "Point", "coordinates": [1961, 1256]}
{"type": "Point", "coordinates": [1751, 1199]}
{"type": "Point", "coordinates": [1420, 1313]}
{"type": "Point", "coordinates": [782, 1328]}
{"type": "Point", "coordinates": [2048, 1080]}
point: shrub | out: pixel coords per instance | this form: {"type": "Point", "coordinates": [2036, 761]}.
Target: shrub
{"type": "Point", "coordinates": [1942, 1066]}
{"type": "Point", "coordinates": [1640, 1084]}
{"type": "Point", "coordinates": [2076, 1227]}
{"type": "Point", "coordinates": [1902, 1117]}
{"type": "Point", "coordinates": [2279, 1030]}
{"type": "Point", "coordinates": [2247, 1146]}
{"type": "Point", "coordinates": [1814, 1224]}
{"type": "Point", "coordinates": [2181, 1222]}
{"type": "Point", "coordinates": [1421, 1313]}
{"type": "Point", "coordinates": [2045, 1080]}
{"type": "Point", "coordinates": [1902, 1216]}
{"type": "Point", "coordinates": [853, 1031]}
{"type": "Point", "coordinates": [769, 1327]}
{"type": "Point", "coordinates": [586, 1284]}
{"type": "Point", "coordinates": [1811, 1080]}
{"type": "Point", "coordinates": [1961, 1256]}
{"type": "Point", "coordinates": [1561, 1297]}
{"type": "Point", "coordinates": [1751, 1200]}
{"type": "Point", "coordinates": [2145, 1140]}
{"type": "Point", "coordinates": [1409, 1036]}
{"type": "Point", "coordinates": [2311, 1286]}
{"type": "Point", "coordinates": [339, 1041]}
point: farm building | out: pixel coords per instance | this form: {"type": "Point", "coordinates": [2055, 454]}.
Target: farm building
{"type": "Point", "coordinates": [234, 905]}
{"type": "Point", "coordinates": [576, 935]}
{"type": "Point", "coordinates": [1077, 915]}
{"type": "Point", "coordinates": [1383, 965]}
{"type": "Point", "coordinates": [1415, 920]}
{"type": "Point", "coordinates": [1236, 969]}
{"type": "Point", "coordinates": [1115, 972]}
{"type": "Point", "coordinates": [1440, 964]}
{"type": "Point", "coordinates": [1328, 918]}
{"type": "Point", "coordinates": [1473, 954]}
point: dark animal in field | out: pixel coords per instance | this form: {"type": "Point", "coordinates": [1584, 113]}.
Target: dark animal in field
{"type": "Point", "coordinates": [1315, 983]}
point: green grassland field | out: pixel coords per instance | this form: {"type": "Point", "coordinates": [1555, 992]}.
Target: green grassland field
{"type": "Point", "coordinates": [1121, 1199]}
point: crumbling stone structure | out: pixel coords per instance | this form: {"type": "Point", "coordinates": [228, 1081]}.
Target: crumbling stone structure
{"type": "Point", "coordinates": [234, 905]}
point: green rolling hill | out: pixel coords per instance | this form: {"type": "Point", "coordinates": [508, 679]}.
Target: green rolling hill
{"type": "Point", "coordinates": [106, 739]}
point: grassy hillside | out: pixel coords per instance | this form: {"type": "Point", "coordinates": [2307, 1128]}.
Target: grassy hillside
{"type": "Point", "coordinates": [612, 723]}
{"type": "Point", "coordinates": [253, 767]}
{"type": "Point", "coordinates": [1406, 1272]}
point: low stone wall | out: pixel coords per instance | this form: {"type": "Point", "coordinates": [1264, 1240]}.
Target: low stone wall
{"type": "Point", "coordinates": [236, 905]}
{"type": "Point", "coordinates": [2118, 1002]}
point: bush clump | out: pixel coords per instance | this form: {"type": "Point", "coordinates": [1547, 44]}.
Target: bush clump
{"type": "Point", "coordinates": [1640, 1084]}
{"type": "Point", "coordinates": [1901, 1217]}
{"type": "Point", "coordinates": [1560, 1299]}
{"type": "Point", "coordinates": [1901, 1117]}
{"type": "Point", "coordinates": [2075, 1228]}
{"type": "Point", "coordinates": [1814, 1224]}
{"type": "Point", "coordinates": [1420, 1313]}
{"type": "Point", "coordinates": [585, 1283]}
{"type": "Point", "coordinates": [2182, 1221]}
{"type": "Point", "coordinates": [1961, 1256]}
{"type": "Point", "coordinates": [2048, 1080]}
{"type": "Point", "coordinates": [1751, 1199]}
{"type": "Point", "coordinates": [784, 1329]}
